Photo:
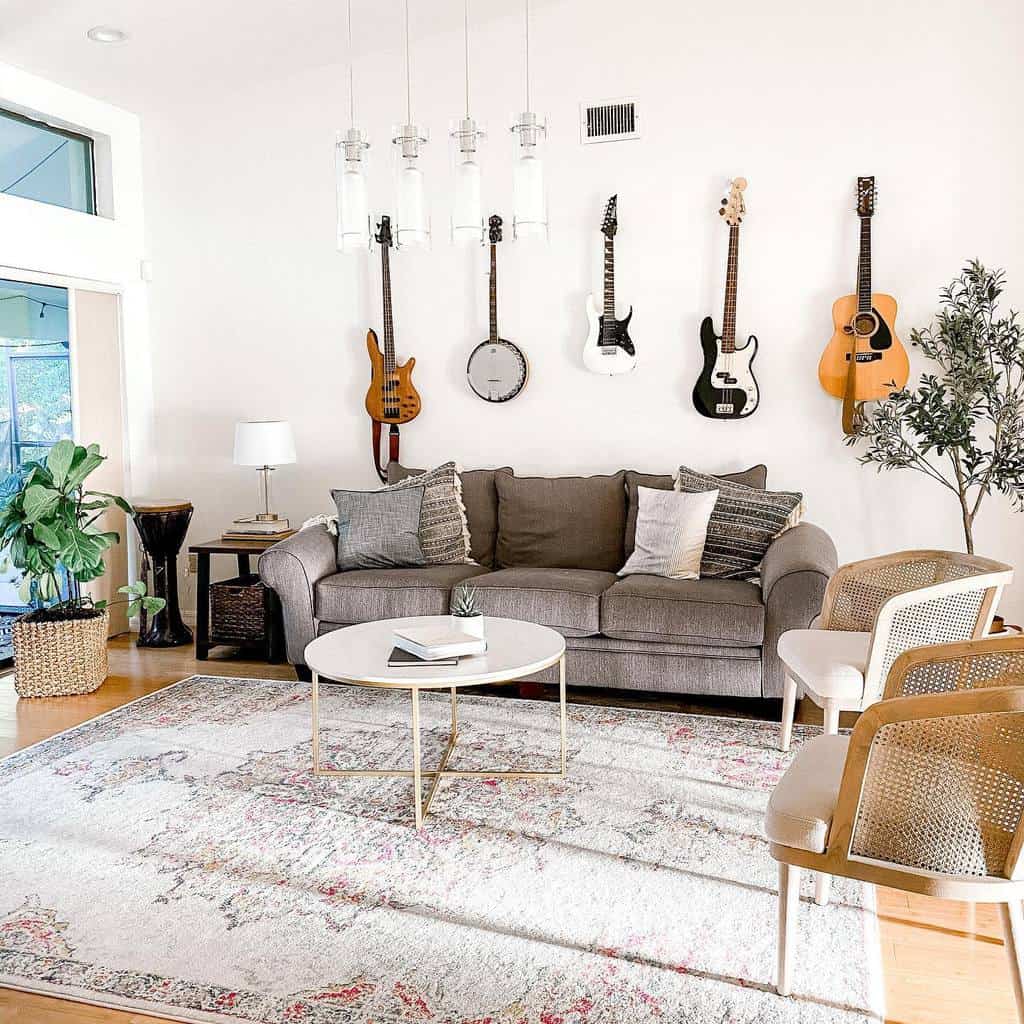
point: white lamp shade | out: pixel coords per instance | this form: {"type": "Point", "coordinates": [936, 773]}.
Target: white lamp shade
{"type": "Point", "coordinates": [264, 443]}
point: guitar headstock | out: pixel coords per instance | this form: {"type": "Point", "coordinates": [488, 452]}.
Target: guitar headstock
{"type": "Point", "coordinates": [494, 229]}
{"type": "Point", "coordinates": [733, 207]}
{"type": "Point", "coordinates": [610, 223]}
{"type": "Point", "coordinates": [867, 193]}
{"type": "Point", "coordinates": [383, 235]}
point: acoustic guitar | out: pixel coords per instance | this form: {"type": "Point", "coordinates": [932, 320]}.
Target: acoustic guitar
{"type": "Point", "coordinates": [864, 361]}
{"type": "Point", "coordinates": [726, 388]}
{"type": "Point", "coordinates": [391, 397]}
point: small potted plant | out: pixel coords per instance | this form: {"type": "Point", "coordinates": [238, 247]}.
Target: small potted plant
{"type": "Point", "coordinates": [465, 612]}
{"type": "Point", "coordinates": [49, 524]}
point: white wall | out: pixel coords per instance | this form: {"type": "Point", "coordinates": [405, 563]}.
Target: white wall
{"type": "Point", "coordinates": [53, 245]}
{"type": "Point", "coordinates": [256, 316]}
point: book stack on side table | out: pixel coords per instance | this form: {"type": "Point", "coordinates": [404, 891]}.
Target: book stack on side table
{"type": "Point", "coordinates": [259, 529]}
{"type": "Point", "coordinates": [435, 644]}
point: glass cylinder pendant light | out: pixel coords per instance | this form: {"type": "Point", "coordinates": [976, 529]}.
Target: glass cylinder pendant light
{"type": "Point", "coordinates": [529, 132]}
{"type": "Point", "coordinates": [466, 136]}
{"type": "Point", "coordinates": [412, 222]}
{"type": "Point", "coordinates": [350, 173]}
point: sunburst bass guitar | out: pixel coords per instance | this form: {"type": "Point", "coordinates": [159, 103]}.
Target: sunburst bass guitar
{"type": "Point", "coordinates": [391, 398]}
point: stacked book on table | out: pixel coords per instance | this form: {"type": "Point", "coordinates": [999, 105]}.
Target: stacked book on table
{"type": "Point", "coordinates": [259, 529]}
{"type": "Point", "coordinates": [440, 644]}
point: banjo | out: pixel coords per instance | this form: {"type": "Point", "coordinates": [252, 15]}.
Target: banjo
{"type": "Point", "coordinates": [497, 370]}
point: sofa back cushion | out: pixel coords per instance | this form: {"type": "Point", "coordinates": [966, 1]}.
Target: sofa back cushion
{"type": "Point", "coordinates": [756, 476]}
{"type": "Point", "coordinates": [479, 498]}
{"type": "Point", "coordinates": [567, 522]}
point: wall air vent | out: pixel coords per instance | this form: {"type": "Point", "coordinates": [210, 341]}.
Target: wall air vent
{"type": "Point", "coordinates": [609, 121]}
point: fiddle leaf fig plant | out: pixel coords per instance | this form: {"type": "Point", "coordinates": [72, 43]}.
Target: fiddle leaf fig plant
{"type": "Point", "coordinates": [963, 426]}
{"type": "Point", "coordinates": [48, 521]}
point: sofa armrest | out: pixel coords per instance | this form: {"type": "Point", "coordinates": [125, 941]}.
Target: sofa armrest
{"type": "Point", "coordinates": [794, 574]}
{"type": "Point", "coordinates": [292, 569]}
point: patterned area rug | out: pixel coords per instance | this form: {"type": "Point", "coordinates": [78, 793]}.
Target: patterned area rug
{"type": "Point", "coordinates": [176, 856]}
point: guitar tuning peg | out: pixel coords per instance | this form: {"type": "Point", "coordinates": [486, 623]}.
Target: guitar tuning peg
{"type": "Point", "coordinates": [721, 212]}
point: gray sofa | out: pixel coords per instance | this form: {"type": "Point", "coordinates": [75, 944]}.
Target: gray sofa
{"type": "Point", "coordinates": [546, 550]}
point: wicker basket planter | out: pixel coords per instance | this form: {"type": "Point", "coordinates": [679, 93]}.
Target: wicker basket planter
{"type": "Point", "coordinates": [60, 659]}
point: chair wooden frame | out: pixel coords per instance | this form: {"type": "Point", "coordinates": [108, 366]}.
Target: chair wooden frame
{"type": "Point", "coordinates": [1003, 884]}
{"type": "Point", "coordinates": [882, 619]}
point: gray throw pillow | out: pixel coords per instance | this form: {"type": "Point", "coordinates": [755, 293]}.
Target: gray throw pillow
{"type": "Point", "coordinates": [745, 521]}
{"type": "Point", "coordinates": [379, 529]}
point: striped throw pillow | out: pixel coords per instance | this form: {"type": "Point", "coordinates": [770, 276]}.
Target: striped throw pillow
{"type": "Point", "coordinates": [444, 535]}
{"type": "Point", "coordinates": [745, 521]}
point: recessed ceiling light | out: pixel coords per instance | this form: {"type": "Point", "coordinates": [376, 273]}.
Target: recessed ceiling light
{"type": "Point", "coordinates": [106, 34]}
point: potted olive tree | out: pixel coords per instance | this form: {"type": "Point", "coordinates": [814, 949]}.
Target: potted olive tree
{"type": "Point", "coordinates": [49, 525]}
{"type": "Point", "coordinates": [963, 426]}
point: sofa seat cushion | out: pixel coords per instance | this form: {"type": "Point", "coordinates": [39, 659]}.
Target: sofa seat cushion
{"type": "Point", "coordinates": [660, 610]}
{"type": "Point", "coordinates": [364, 595]}
{"type": "Point", "coordinates": [801, 806]}
{"type": "Point", "coordinates": [568, 600]}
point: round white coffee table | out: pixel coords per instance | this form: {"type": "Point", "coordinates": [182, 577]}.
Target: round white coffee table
{"type": "Point", "coordinates": [359, 655]}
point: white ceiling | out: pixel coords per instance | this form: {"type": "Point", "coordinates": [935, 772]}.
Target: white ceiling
{"type": "Point", "coordinates": [187, 49]}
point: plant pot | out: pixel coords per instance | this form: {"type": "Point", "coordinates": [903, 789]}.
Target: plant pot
{"type": "Point", "coordinates": [62, 658]}
{"type": "Point", "coordinates": [471, 624]}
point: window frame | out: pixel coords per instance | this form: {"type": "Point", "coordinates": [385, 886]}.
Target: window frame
{"type": "Point", "coordinates": [73, 136]}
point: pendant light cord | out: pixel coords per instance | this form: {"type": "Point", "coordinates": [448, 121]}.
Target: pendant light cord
{"type": "Point", "coordinates": [351, 78]}
{"type": "Point", "coordinates": [465, 26]}
{"type": "Point", "coordinates": [527, 7]}
{"type": "Point", "coordinates": [408, 74]}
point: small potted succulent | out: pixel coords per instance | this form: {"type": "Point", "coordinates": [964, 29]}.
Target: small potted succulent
{"type": "Point", "coordinates": [465, 612]}
{"type": "Point", "coordinates": [49, 523]}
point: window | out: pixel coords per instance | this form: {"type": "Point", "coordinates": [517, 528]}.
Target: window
{"type": "Point", "coordinates": [35, 393]}
{"type": "Point", "coordinates": [46, 164]}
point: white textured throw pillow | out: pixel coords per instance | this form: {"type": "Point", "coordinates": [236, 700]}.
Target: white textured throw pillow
{"type": "Point", "coordinates": [671, 528]}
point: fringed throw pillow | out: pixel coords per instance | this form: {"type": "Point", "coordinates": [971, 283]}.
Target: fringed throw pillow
{"type": "Point", "coordinates": [444, 534]}
{"type": "Point", "coordinates": [745, 521]}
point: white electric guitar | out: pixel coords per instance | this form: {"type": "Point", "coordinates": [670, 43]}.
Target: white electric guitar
{"type": "Point", "coordinates": [609, 348]}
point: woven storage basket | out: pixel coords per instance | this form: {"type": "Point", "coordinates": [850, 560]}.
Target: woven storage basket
{"type": "Point", "coordinates": [238, 609]}
{"type": "Point", "coordinates": [60, 659]}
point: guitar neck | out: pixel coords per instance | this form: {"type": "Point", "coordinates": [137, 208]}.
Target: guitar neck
{"type": "Point", "coordinates": [389, 324]}
{"type": "Point", "coordinates": [731, 269]}
{"type": "Point", "coordinates": [494, 292]}
{"type": "Point", "coordinates": [864, 267]}
{"type": "Point", "coordinates": [609, 281]}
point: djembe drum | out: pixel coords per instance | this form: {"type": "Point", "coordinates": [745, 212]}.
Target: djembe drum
{"type": "Point", "coordinates": [162, 525]}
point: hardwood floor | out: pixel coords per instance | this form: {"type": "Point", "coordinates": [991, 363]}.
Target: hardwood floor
{"type": "Point", "coordinates": [944, 962]}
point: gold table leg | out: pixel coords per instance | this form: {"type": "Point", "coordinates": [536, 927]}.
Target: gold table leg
{"type": "Point", "coordinates": [416, 773]}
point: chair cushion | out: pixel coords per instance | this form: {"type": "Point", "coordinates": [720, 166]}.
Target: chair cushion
{"type": "Point", "coordinates": [480, 500]}
{"type": "Point", "coordinates": [670, 611]}
{"type": "Point", "coordinates": [568, 600]}
{"type": "Point", "coordinates": [756, 476]}
{"type": "Point", "coordinates": [365, 595]}
{"type": "Point", "coordinates": [569, 522]}
{"type": "Point", "coordinates": [801, 806]}
{"type": "Point", "coordinates": [830, 663]}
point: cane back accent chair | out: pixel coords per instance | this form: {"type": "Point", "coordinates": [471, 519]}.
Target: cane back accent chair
{"type": "Point", "coordinates": [926, 795]}
{"type": "Point", "coordinates": [875, 610]}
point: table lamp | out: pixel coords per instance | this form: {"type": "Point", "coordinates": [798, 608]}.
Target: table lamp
{"type": "Point", "coordinates": [264, 444]}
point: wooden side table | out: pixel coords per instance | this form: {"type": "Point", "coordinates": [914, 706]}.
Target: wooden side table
{"type": "Point", "coordinates": [242, 550]}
